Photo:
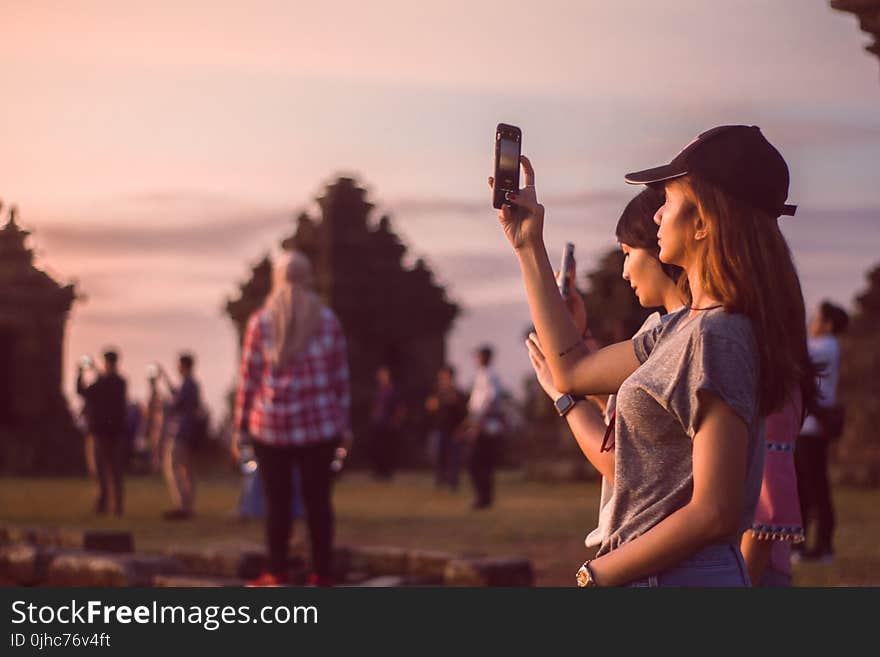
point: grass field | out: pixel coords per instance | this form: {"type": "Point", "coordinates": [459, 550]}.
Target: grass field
{"type": "Point", "coordinates": [544, 522]}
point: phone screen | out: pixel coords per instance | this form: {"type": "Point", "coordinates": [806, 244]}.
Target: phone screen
{"type": "Point", "coordinates": [508, 163]}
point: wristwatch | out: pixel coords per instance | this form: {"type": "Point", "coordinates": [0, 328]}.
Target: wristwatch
{"type": "Point", "coordinates": [585, 576]}
{"type": "Point", "coordinates": [564, 404]}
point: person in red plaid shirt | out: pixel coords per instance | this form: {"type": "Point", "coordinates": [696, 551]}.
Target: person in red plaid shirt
{"type": "Point", "coordinates": [293, 401]}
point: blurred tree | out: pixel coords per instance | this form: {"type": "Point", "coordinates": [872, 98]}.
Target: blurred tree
{"type": "Point", "coordinates": [868, 13]}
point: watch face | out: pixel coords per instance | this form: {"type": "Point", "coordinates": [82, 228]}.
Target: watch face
{"type": "Point", "coordinates": [564, 403]}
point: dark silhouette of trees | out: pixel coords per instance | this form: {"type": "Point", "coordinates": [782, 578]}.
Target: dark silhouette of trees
{"type": "Point", "coordinates": [857, 454]}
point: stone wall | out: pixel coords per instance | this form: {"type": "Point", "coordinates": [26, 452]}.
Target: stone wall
{"type": "Point", "coordinates": [46, 556]}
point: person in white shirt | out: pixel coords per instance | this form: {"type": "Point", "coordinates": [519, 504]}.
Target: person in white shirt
{"type": "Point", "coordinates": [484, 427]}
{"type": "Point", "coordinates": [811, 454]}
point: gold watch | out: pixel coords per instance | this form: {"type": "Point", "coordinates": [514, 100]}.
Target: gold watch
{"type": "Point", "coordinates": [585, 576]}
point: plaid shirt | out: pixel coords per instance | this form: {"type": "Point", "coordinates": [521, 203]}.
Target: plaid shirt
{"type": "Point", "coordinates": [302, 402]}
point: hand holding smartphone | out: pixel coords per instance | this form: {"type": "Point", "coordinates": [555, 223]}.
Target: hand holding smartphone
{"type": "Point", "coordinates": [508, 146]}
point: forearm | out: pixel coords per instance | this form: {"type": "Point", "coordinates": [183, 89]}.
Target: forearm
{"type": "Point", "coordinates": [677, 537]}
{"type": "Point", "coordinates": [553, 323]}
{"type": "Point", "coordinates": [588, 427]}
{"type": "Point", "coordinates": [714, 511]}
{"type": "Point", "coordinates": [573, 367]}
{"type": "Point", "coordinates": [756, 552]}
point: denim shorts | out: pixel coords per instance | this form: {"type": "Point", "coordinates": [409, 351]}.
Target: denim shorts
{"type": "Point", "coordinates": [717, 565]}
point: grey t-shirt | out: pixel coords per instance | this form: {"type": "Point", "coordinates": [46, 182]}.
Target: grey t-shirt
{"type": "Point", "coordinates": [658, 413]}
{"type": "Point", "coordinates": [606, 491]}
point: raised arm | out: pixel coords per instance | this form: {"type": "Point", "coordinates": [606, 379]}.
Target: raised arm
{"type": "Point", "coordinates": [574, 370]}
{"type": "Point", "coordinates": [81, 388]}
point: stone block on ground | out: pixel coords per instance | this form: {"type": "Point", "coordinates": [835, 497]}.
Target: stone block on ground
{"type": "Point", "coordinates": [188, 581]}
{"type": "Point", "coordinates": [22, 564]}
{"type": "Point", "coordinates": [81, 539]}
{"type": "Point", "coordinates": [353, 577]}
{"type": "Point", "coordinates": [340, 562]}
{"type": "Point", "coordinates": [120, 542]}
{"type": "Point", "coordinates": [10, 533]}
{"type": "Point", "coordinates": [105, 569]}
{"type": "Point", "coordinates": [489, 572]}
{"type": "Point", "coordinates": [427, 566]}
{"type": "Point", "coordinates": [379, 560]}
{"type": "Point", "coordinates": [384, 581]}
{"type": "Point", "coordinates": [222, 562]}
{"type": "Point", "coordinates": [18, 534]}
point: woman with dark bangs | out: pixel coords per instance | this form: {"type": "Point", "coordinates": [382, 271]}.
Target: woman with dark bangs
{"type": "Point", "coordinates": [655, 284]}
{"type": "Point", "coordinates": [692, 391]}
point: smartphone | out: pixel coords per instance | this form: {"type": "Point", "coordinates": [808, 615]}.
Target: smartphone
{"type": "Point", "coordinates": [508, 146]}
{"type": "Point", "coordinates": [565, 268]}
{"type": "Point", "coordinates": [86, 362]}
{"type": "Point", "coordinates": [152, 371]}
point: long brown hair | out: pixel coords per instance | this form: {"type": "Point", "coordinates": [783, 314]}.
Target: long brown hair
{"type": "Point", "coordinates": [748, 268]}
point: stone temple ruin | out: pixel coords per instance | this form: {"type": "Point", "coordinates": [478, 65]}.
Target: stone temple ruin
{"type": "Point", "coordinates": [37, 434]}
{"type": "Point", "coordinates": [868, 13]}
{"type": "Point", "coordinates": [390, 313]}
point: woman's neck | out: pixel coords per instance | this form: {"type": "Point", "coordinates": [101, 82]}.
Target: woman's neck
{"type": "Point", "coordinates": [672, 298]}
{"type": "Point", "coordinates": [701, 299]}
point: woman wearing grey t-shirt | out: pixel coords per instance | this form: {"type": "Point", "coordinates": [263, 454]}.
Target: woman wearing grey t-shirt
{"type": "Point", "coordinates": [687, 461]}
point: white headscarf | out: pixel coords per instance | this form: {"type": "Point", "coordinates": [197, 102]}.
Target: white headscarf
{"type": "Point", "coordinates": [293, 305]}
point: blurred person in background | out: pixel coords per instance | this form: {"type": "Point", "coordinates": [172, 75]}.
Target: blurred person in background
{"type": "Point", "coordinates": [293, 402]}
{"type": "Point", "coordinates": [484, 428]}
{"type": "Point", "coordinates": [777, 526]}
{"type": "Point", "coordinates": [105, 413]}
{"type": "Point", "coordinates": [182, 429]}
{"type": "Point", "coordinates": [447, 409]}
{"type": "Point", "coordinates": [154, 418]}
{"type": "Point", "coordinates": [385, 422]}
{"type": "Point", "coordinates": [822, 426]}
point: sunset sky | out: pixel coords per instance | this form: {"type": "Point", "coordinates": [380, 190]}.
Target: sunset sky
{"type": "Point", "coordinates": [158, 150]}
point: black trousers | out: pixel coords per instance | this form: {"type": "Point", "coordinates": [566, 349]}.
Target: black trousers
{"type": "Point", "coordinates": [276, 467]}
{"type": "Point", "coordinates": [109, 463]}
{"type": "Point", "coordinates": [811, 462]}
{"type": "Point", "coordinates": [482, 468]}
{"type": "Point", "coordinates": [383, 451]}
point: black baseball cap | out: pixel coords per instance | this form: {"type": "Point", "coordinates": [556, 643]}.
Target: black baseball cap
{"type": "Point", "coordinates": [737, 158]}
